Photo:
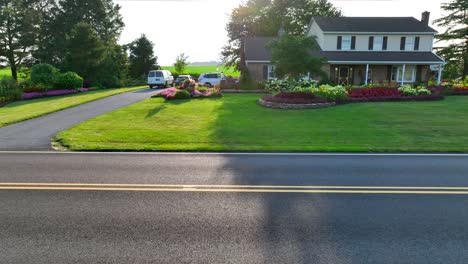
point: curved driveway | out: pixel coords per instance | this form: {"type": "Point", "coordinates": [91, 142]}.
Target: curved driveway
{"type": "Point", "coordinates": [36, 134]}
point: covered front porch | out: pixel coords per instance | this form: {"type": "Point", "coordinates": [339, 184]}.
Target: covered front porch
{"type": "Point", "coordinates": [393, 74]}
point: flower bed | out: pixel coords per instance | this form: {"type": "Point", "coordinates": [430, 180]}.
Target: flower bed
{"type": "Point", "coordinates": [33, 95]}
{"type": "Point", "coordinates": [295, 98]}
{"type": "Point", "coordinates": [294, 101]}
{"type": "Point", "coordinates": [404, 93]}
{"type": "Point", "coordinates": [189, 89]}
{"type": "Point", "coordinates": [460, 90]}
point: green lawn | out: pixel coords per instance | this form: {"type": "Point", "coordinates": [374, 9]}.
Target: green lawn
{"type": "Point", "coordinates": [205, 69]}
{"type": "Point", "coordinates": [23, 110]}
{"type": "Point", "coordinates": [6, 72]}
{"type": "Point", "coordinates": [236, 123]}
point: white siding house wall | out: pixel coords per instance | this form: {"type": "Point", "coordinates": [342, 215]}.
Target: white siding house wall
{"type": "Point", "coordinates": [329, 41]}
{"type": "Point", "coordinates": [315, 30]}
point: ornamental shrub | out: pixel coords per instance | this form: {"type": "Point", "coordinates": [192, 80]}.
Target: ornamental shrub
{"type": "Point", "coordinates": [9, 90]}
{"type": "Point", "coordinates": [29, 87]}
{"type": "Point", "coordinates": [182, 94]}
{"type": "Point", "coordinates": [69, 80]}
{"type": "Point", "coordinates": [44, 74]}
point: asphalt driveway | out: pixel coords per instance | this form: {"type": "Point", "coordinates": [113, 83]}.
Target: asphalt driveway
{"type": "Point", "coordinates": [36, 134]}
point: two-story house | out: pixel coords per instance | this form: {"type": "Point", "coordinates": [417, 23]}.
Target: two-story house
{"type": "Point", "coordinates": [362, 50]}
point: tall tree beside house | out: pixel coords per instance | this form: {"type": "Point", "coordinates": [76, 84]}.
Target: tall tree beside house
{"type": "Point", "coordinates": [181, 63]}
{"type": "Point", "coordinates": [292, 56]}
{"type": "Point", "coordinates": [456, 34]}
{"type": "Point", "coordinates": [19, 23]}
{"type": "Point", "coordinates": [85, 52]}
{"type": "Point", "coordinates": [265, 17]}
{"type": "Point", "coordinates": [142, 58]}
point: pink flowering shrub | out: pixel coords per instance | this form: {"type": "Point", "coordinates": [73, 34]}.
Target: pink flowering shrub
{"type": "Point", "coordinates": [33, 95]}
{"type": "Point", "coordinates": [170, 93]}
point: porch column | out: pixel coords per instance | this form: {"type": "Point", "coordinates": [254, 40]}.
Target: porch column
{"type": "Point", "coordinates": [367, 74]}
{"type": "Point", "coordinates": [403, 75]}
{"type": "Point", "coordinates": [439, 77]}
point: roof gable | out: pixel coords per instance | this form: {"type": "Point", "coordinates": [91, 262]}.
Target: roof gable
{"type": "Point", "coordinates": [373, 24]}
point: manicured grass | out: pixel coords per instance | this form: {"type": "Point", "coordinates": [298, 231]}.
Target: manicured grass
{"type": "Point", "coordinates": [205, 69]}
{"type": "Point", "coordinates": [27, 109]}
{"type": "Point", "coordinates": [5, 72]}
{"type": "Point", "coordinates": [236, 123]}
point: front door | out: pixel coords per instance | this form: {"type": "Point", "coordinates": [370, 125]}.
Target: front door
{"type": "Point", "coordinates": [344, 75]}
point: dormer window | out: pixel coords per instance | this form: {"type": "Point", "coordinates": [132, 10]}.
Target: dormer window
{"type": "Point", "coordinates": [346, 43]}
{"type": "Point", "coordinates": [409, 43]}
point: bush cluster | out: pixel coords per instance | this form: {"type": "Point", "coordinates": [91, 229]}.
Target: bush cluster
{"type": "Point", "coordinates": [45, 77]}
{"type": "Point", "coordinates": [9, 90]}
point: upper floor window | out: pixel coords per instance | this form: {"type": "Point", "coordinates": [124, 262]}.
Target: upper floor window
{"type": "Point", "coordinates": [409, 43]}
{"type": "Point", "coordinates": [346, 43]}
{"type": "Point", "coordinates": [378, 43]}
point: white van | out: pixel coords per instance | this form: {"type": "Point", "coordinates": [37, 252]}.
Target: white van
{"type": "Point", "coordinates": [160, 78]}
{"type": "Point", "coordinates": [211, 79]}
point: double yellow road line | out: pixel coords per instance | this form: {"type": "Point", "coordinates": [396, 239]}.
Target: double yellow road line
{"type": "Point", "coordinates": [234, 188]}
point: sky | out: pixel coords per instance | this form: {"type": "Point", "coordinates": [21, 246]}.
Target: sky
{"type": "Point", "coordinates": [198, 27]}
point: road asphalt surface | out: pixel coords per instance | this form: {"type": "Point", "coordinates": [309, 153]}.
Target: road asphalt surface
{"type": "Point", "coordinates": [37, 133]}
{"type": "Point", "coordinates": [232, 208]}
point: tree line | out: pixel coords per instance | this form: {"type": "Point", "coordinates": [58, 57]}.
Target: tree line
{"type": "Point", "coordinates": [72, 35]}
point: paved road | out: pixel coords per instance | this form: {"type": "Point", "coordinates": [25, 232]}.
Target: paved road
{"type": "Point", "coordinates": [36, 134]}
{"type": "Point", "coordinates": [218, 225]}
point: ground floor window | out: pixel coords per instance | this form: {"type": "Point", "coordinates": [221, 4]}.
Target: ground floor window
{"type": "Point", "coordinates": [408, 76]}
{"type": "Point", "coordinates": [271, 72]}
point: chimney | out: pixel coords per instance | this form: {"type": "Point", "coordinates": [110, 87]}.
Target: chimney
{"type": "Point", "coordinates": [425, 18]}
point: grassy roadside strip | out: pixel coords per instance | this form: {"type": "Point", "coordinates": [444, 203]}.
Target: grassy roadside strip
{"type": "Point", "coordinates": [28, 109]}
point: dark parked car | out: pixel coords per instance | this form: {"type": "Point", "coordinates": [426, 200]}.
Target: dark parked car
{"type": "Point", "coordinates": [180, 80]}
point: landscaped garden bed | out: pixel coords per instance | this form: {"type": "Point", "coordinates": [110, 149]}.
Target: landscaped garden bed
{"type": "Point", "coordinates": [189, 89]}
{"type": "Point", "coordinates": [294, 101]}
{"type": "Point", "coordinates": [33, 95]}
{"type": "Point", "coordinates": [308, 94]}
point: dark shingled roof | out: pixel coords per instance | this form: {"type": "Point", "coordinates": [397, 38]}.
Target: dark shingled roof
{"type": "Point", "coordinates": [255, 48]}
{"type": "Point", "coordinates": [375, 56]}
{"type": "Point", "coordinates": [255, 51]}
{"type": "Point", "coordinates": [373, 24]}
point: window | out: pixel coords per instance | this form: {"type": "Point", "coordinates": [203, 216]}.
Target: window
{"type": "Point", "coordinates": [409, 76]}
{"type": "Point", "coordinates": [271, 72]}
{"type": "Point", "coordinates": [409, 43]}
{"type": "Point", "coordinates": [378, 43]}
{"type": "Point", "coordinates": [346, 43]}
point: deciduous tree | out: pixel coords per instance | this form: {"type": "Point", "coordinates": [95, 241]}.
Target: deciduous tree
{"type": "Point", "coordinates": [293, 56]}
{"type": "Point", "coordinates": [456, 34]}
{"type": "Point", "coordinates": [19, 25]}
{"type": "Point", "coordinates": [181, 63]}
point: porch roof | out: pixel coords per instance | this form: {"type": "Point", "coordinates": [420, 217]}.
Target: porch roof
{"type": "Point", "coordinates": [382, 57]}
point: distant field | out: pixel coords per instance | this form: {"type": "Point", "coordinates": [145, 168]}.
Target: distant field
{"type": "Point", "coordinates": [197, 70]}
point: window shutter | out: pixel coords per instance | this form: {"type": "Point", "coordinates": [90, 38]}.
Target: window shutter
{"type": "Point", "coordinates": [371, 43]}
{"type": "Point", "coordinates": [402, 44]}
{"type": "Point", "coordinates": [338, 43]}
{"type": "Point", "coordinates": [385, 43]}
{"type": "Point", "coordinates": [416, 43]}
{"type": "Point", "coordinates": [353, 42]}
{"type": "Point", "coordinates": [265, 72]}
